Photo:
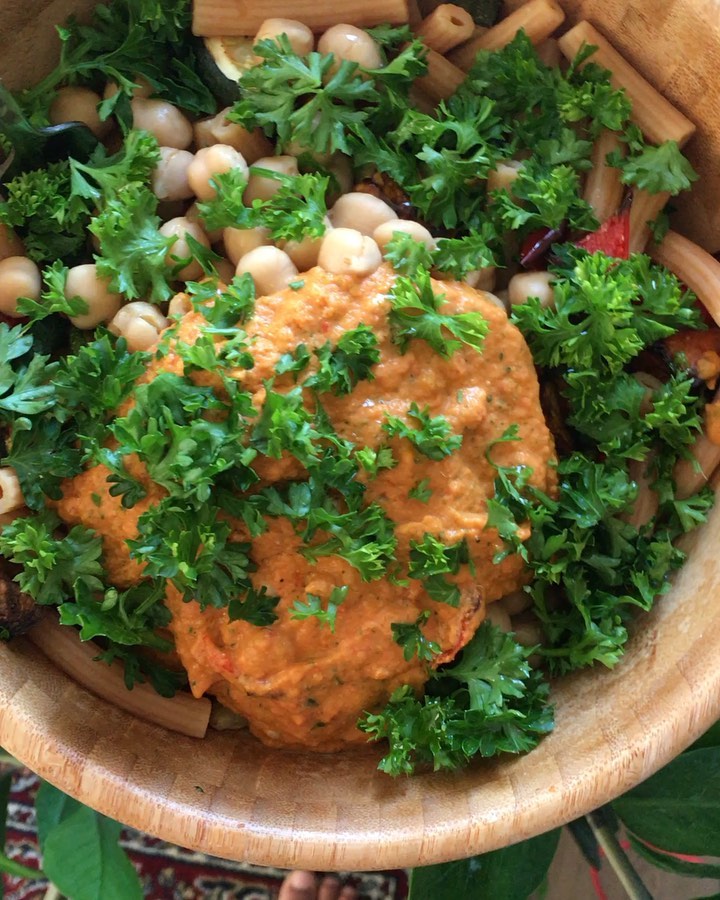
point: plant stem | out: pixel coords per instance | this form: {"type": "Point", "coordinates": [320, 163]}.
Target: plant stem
{"type": "Point", "coordinates": [617, 858]}
{"type": "Point", "coordinates": [18, 870]}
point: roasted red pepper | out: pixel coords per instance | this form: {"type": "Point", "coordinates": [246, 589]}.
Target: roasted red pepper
{"type": "Point", "coordinates": [611, 238]}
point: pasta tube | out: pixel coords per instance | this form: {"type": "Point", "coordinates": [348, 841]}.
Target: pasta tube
{"type": "Point", "coordinates": [231, 18]}
{"type": "Point", "coordinates": [693, 266]}
{"type": "Point", "coordinates": [442, 78]}
{"type": "Point", "coordinates": [446, 27]}
{"type": "Point", "coordinates": [61, 645]}
{"type": "Point", "coordinates": [658, 119]}
{"type": "Point", "coordinates": [645, 209]}
{"type": "Point", "coordinates": [539, 18]}
{"type": "Point", "coordinates": [603, 188]}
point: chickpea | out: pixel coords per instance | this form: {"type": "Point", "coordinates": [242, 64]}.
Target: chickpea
{"type": "Point", "coordinates": [239, 241]}
{"type": "Point", "coordinates": [225, 270]}
{"type": "Point", "coordinates": [362, 212]}
{"type": "Point", "coordinates": [503, 175]}
{"type": "Point", "coordinates": [345, 250]}
{"type": "Point", "coordinates": [262, 187]}
{"type": "Point", "coordinates": [140, 324]}
{"type": "Point", "coordinates": [84, 282]}
{"type": "Point", "coordinates": [180, 227]}
{"type": "Point", "coordinates": [516, 602]}
{"type": "Point", "coordinates": [341, 181]}
{"type": "Point", "coordinates": [193, 214]}
{"type": "Point", "coordinates": [142, 88]}
{"type": "Point", "coordinates": [304, 253]}
{"type": "Point", "coordinates": [482, 279]}
{"type": "Point", "coordinates": [163, 120]}
{"type": "Point", "coordinates": [527, 629]}
{"type": "Point", "coordinates": [299, 36]}
{"type": "Point", "coordinates": [384, 232]}
{"type": "Point", "coordinates": [532, 284]}
{"type": "Point", "coordinates": [170, 179]}
{"type": "Point", "coordinates": [497, 300]}
{"type": "Point", "coordinates": [11, 495]}
{"type": "Point", "coordinates": [212, 161]}
{"type": "Point", "coordinates": [79, 104]}
{"type": "Point", "coordinates": [271, 269]}
{"type": "Point", "coordinates": [180, 305]}
{"type": "Point", "coordinates": [10, 243]}
{"type": "Point", "coordinates": [219, 130]}
{"type": "Point", "coordinates": [497, 616]}
{"type": "Point", "coordinates": [351, 43]}
{"type": "Point", "coordinates": [19, 277]}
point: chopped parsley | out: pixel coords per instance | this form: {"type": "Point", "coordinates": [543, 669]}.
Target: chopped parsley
{"type": "Point", "coordinates": [313, 607]}
{"type": "Point", "coordinates": [432, 436]}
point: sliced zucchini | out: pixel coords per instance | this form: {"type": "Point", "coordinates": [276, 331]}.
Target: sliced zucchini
{"type": "Point", "coordinates": [221, 63]}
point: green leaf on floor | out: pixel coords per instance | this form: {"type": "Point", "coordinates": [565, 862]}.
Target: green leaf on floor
{"type": "Point", "coordinates": [512, 873]}
{"type": "Point", "coordinates": [81, 853]}
{"type": "Point", "coordinates": [678, 808]}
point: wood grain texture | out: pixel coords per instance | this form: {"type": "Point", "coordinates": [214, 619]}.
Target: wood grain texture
{"type": "Point", "coordinates": [233, 798]}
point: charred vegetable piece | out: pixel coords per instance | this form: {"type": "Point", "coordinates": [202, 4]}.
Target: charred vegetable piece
{"type": "Point", "coordinates": [536, 246]}
{"type": "Point", "coordinates": [18, 611]}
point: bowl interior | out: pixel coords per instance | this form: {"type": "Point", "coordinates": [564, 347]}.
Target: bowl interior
{"type": "Point", "coordinates": [234, 798]}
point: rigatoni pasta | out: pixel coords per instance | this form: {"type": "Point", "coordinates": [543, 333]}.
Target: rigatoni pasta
{"type": "Point", "coordinates": [446, 27]}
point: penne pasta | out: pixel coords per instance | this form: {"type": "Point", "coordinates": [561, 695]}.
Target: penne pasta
{"type": "Point", "coordinates": [549, 52]}
{"type": "Point", "coordinates": [538, 18]}
{"type": "Point", "coordinates": [693, 266]}
{"type": "Point", "coordinates": [647, 501]}
{"type": "Point", "coordinates": [645, 209]}
{"type": "Point", "coordinates": [446, 27]}
{"type": "Point", "coordinates": [603, 188]}
{"type": "Point", "coordinates": [691, 475]}
{"type": "Point", "coordinates": [657, 117]}
{"type": "Point", "coordinates": [231, 18]}
{"type": "Point", "coordinates": [62, 646]}
{"type": "Point", "coordinates": [442, 78]}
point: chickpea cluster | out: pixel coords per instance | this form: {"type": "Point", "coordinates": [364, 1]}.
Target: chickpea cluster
{"type": "Point", "coordinates": [359, 225]}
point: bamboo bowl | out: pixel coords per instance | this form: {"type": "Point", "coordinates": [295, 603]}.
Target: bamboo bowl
{"type": "Point", "coordinates": [231, 797]}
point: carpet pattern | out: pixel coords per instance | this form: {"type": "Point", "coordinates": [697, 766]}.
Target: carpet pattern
{"type": "Point", "coordinates": [169, 872]}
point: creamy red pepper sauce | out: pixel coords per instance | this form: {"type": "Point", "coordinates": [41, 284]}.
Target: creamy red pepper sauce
{"type": "Point", "coordinates": [297, 682]}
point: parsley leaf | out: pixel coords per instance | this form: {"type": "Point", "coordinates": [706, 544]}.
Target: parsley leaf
{"type": "Point", "coordinates": [313, 607]}
{"type": "Point", "coordinates": [415, 313]}
{"type": "Point", "coordinates": [489, 702]}
{"type": "Point", "coordinates": [430, 560]}
{"type": "Point", "coordinates": [411, 638]}
{"type": "Point", "coordinates": [432, 436]}
{"type": "Point", "coordinates": [52, 299]}
{"type": "Point", "coordinates": [349, 362]}
{"type": "Point", "coordinates": [656, 169]}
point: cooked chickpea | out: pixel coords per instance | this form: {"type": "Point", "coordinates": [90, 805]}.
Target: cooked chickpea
{"type": "Point", "coordinates": [79, 104]}
{"type": "Point", "coordinates": [19, 277]}
{"type": "Point", "coordinates": [262, 187]}
{"type": "Point", "coordinates": [342, 180]}
{"type": "Point", "coordinates": [239, 241]}
{"type": "Point", "coordinates": [170, 178]}
{"type": "Point", "coordinates": [11, 495]}
{"type": "Point", "coordinates": [351, 43]}
{"type": "Point", "coordinates": [345, 250]}
{"type": "Point", "coordinates": [140, 324]}
{"type": "Point", "coordinates": [193, 214]}
{"type": "Point", "coordinates": [305, 253]}
{"type": "Point", "coordinates": [527, 629]}
{"type": "Point", "coordinates": [362, 212]}
{"type": "Point", "coordinates": [271, 269]}
{"type": "Point", "coordinates": [482, 279]}
{"type": "Point", "coordinates": [84, 282]}
{"type": "Point", "coordinates": [142, 88]}
{"type": "Point", "coordinates": [299, 36]}
{"type": "Point", "coordinates": [515, 602]}
{"type": "Point", "coordinates": [180, 305]}
{"type": "Point", "coordinates": [181, 227]}
{"type": "Point", "coordinates": [497, 300]}
{"type": "Point", "coordinates": [497, 616]}
{"type": "Point", "coordinates": [219, 130]}
{"type": "Point", "coordinates": [163, 120]}
{"type": "Point", "coordinates": [212, 161]}
{"type": "Point", "coordinates": [503, 175]}
{"type": "Point", "coordinates": [384, 232]}
{"type": "Point", "coordinates": [225, 270]}
{"type": "Point", "coordinates": [10, 243]}
{"type": "Point", "coordinates": [532, 284]}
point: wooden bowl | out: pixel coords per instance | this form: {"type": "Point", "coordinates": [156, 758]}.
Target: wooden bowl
{"type": "Point", "coordinates": [231, 797]}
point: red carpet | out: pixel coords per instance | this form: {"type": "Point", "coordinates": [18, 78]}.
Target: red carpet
{"type": "Point", "coordinates": [169, 872]}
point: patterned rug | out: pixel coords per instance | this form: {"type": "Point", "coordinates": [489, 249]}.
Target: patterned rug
{"type": "Point", "coordinates": [169, 872]}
